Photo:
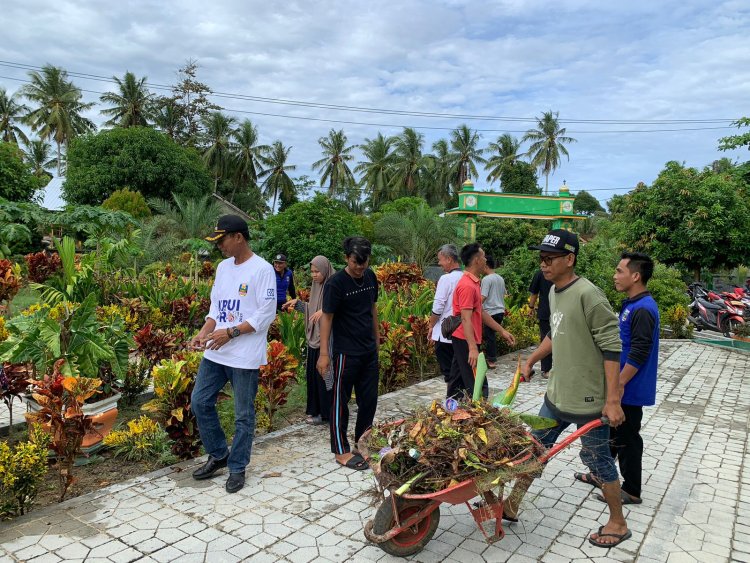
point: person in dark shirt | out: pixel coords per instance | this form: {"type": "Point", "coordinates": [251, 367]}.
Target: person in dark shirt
{"type": "Point", "coordinates": [284, 281]}
{"type": "Point", "coordinates": [539, 300]}
{"type": "Point", "coordinates": [349, 337]}
{"type": "Point", "coordinates": [747, 286]}
{"type": "Point", "coordinates": [639, 332]}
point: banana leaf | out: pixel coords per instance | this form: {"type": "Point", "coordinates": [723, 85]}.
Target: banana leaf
{"type": "Point", "coordinates": [480, 376]}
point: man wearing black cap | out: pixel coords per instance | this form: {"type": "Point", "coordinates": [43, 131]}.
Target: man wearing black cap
{"type": "Point", "coordinates": [284, 281]}
{"type": "Point", "coordinates": [584, 383]}
{"type": "Point", "coordinates": [243, 300]}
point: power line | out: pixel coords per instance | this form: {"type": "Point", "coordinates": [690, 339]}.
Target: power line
{"type": "Point", "coordinates": [425, 127]}
{"type": "Point", "coordinates": [360, 109]}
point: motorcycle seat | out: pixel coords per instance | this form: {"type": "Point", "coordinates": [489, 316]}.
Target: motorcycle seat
{"type": "Point", "coordinates": [709, 305]}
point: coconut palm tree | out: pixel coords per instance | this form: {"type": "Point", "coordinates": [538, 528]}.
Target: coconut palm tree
{"type": "Point", "coordinates": [548, 142]}
{"type": "Point", "coordinates": [168, 117]}
{"type": "Point", "coordinates": [132, 103]}
{"type": "Point", "coordinates": [409, 162]}
{"type": "Point", "coordinates": [376, 169]}
{"type": "Point", "coordinates": [436, 182]}
{"type": "Point", "coordinates": [58, 111]}
{"type": "Point", "coordinates": [39, 156]}
{"type": "Point", "coordinates": [504, 150]}
{"type": "Point", "coordinates": [217, 138]}
{"type": "Point", "coordinates": [247, 153]}
{"type": "Point", "coordinates": [465, 154]}
{"type": "Point", "coordinates": [333, 165]}
{"type": "Point", "coordinates": [11, 114]}
{"type": "Point", "coordinates": [277, 180]}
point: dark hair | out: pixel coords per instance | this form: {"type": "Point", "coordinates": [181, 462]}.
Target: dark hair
{"type": "Point", "coordinates": [641, 263]}
{"type": "Point", "coordinates": [491, 264]}
{"type": "Point", "coordinates": [359, 247]}
{"type": "Point", "coordinates": [469, 251]}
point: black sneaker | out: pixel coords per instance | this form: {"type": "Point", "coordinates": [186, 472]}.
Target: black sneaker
{"type": "Point", "coordinates": [235, 482]}
{"type": "Point", "coordinates": [209, 468]}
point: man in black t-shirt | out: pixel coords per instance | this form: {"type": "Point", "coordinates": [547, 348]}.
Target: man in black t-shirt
{"type": "Point", "coordinates": [539, 290]}
{"type": "Point", "coordinates": [349, 338]}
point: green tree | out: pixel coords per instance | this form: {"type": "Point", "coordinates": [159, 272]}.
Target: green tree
{"type": "Point", "coordinates": [58, 111]}
{"type": "Point", "coordinates": [499, 237]}
{"type": "Point", "coordinates": [168, 117]}
{"type": "Point", "coordinates": [518, 177]}
{"type": "Point", "coordinates": [333, 166]}
{"type": "Point", "coordinates": [217, 139]}
{"type": "Point", "coordinates": [465, 154]}
{"type": "Point", "coordinates": [189, 218]}
{"type": "Point", "coordinates": [17, 180]}
{"type": "Point", "coordinates": [247, 153]}
{"type": "Point", "coordinates": [277, 180]}
{"type": "Point", "coordinates": [435, 182]}
{"type": "Point", "coordinates": [191, 98]}
{"type": "Point", "coordinates": [141, 158]}
{"type": "Point", "coordinates": [39, 156]}
{"type": "Point", "coordinates": [586, 203]}
{"type": "Point", "coordinates": [548, 142]}
{"type": "Point", "coordinates": [132, 103]}
{"type": "Point", "coordinates": [309, 228]}
{"type": "Point", "coordinates": [11, 115]}
{"type": "Point", "coordinates": [503, 151]}
{"type": "Point", "coordinates": [376, 169]}
{"type": "Point", "coordinates": [129, 202]}
{"type": "Point", "coordinates": [699, 219]}
{"type": "Point", "coordinates": [416, 235]}
{"type": "Point", "coordinates": [408, 162]}
{"type": "Point", "coordinates": [736, 141]}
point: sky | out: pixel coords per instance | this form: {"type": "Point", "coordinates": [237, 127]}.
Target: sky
{"type": "Point", "coordinates": [666, 64]}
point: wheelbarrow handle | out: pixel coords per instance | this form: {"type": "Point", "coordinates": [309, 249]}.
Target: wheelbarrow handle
{"type": "Point", "coordinates": [585, 429]}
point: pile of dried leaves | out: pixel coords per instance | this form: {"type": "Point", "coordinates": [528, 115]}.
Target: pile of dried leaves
{"type": "Point", "coordinates": [436, 448]}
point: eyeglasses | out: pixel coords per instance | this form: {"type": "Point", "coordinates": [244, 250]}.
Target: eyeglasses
{"type": "Point", "coordinates": [547, 260]}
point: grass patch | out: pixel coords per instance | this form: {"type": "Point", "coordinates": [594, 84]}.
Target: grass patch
{"type": "Point", "coordinates": [23, 300]}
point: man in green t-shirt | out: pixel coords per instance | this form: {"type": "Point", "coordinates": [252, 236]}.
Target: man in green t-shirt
{"type": "Point", "coordinates": [584, 382]}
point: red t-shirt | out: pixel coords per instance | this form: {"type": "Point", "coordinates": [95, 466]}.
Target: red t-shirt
{"type": "Point", "coordinates": [468, 295]}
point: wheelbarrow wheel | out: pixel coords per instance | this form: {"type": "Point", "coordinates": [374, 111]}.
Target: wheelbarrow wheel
{"type": "Point", "coordinates": [409, 541]}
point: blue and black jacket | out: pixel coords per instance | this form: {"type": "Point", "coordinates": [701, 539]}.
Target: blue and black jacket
{"type": "Point", "coordinates": [639, 332]}
{"type": "Point", "coordinates": [284, 284]}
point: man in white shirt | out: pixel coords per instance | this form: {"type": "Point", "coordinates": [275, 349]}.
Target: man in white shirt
{"type": "Point", "coordinates": [442, 305]}
{"type": "Point", "coordinates": [243, 306]}
{"type": "Point", "coordinates": [493, 301]}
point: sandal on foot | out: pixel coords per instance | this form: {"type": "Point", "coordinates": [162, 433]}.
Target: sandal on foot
{"type": "Point", "coordinates": [587, 478]}
{"type": "Point", "coordinates": [624, 497]}
{"type": "Point", "coordinates": [356, 462]}
{"type": "Point", "coordinates": [620, 538]}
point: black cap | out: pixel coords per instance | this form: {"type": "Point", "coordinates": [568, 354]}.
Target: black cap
{"type": "Point", "coordinates": [279, 258]}
{"type": "Point", "coordinates": [228, 224]}
{"type": "Point", "coordinates": [558, 240]}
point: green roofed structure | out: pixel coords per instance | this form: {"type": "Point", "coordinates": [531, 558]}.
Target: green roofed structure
{"type": "Point", "coordinates": [555, 208]}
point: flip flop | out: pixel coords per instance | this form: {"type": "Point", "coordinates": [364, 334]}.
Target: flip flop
{"type": "Point", "coordinates": [624, 497]}
{"type": "Point", "coordinates": [355, 462]}
{"type": "Point", "coordinates": [587, 478]}
{"type": "Point", "coordinates": [620, 538]}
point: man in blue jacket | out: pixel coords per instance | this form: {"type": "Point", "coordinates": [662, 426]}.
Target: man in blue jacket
{"type": "Point", "coordinates": [639, 332]}
{"type": "Point", "coordinates": [284, 281]}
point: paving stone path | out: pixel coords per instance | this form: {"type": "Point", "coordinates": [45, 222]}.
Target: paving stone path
{"type": "Point", "coordinates": [299, 506]}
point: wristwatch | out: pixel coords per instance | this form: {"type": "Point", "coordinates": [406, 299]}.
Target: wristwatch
{"type": "Point", "coordinates": [233, 332]}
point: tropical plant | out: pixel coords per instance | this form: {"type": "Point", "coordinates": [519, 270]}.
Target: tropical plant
{"type": "Point", "coordinates": [174, 380]}
{"type": "Point", "coordinates": [376, 169]}
{"type": "Point", "coordinates": [676, 318]}
{"type": "Point", "coordinates": [503, 151]}
{"type": "Point", "coordinates": [131, 202]}
{"type": "Point", "coordinates": [333, 166]}
{"type": "Point", "coordinates": [42, 265]}
{"type": "Point", "coordinates": [436, 179]}
{"type": "Point", "coordinates": [218, 130]}
{"type": "Point", "coordinates": [38, 155]}
{"type": "Point", "coordinates": [22, 470]}
{"type": "Point", "coordinates": [422, 350]}
{"type": "Point", "coordinates": [416, 236]}
{"type": "Point", "coordinates": [132, 103]}
{"type": "Point", "coordinates": [408, 163]}
{"type": "Point", "coordinates": [17, 180]}
{"type": "Point", "coordinates": [464, 155]}
{"type": "Point", "coordinates": [522, 325]}
{"type": "Point", "coordinates": [247, 156]}
{"type": "Point", "coordinates": [393, 276]}
{"type": "Point", "coordinates": [10, 280]}
{"type": "Point", "coordinates": [192, 100]}
{"type": "Point", "coordinates": [168, 117]}
{"type": "Point", "coordinates": [189, 218]}
{"type": "Point", "coordinates": [74, 281]}
{"type": "Point", "coordinates": [277, 180]}
{"type": "Point", "coordinates": [394, 356]}
{"type": "Point", "coordinates": [276, 377]}
{"type": "Point", "coordinates": [61, 401]}
{"type": "Point", "coordinates": [59, 109]}
{"type": "Point", "coordinates": [142, 440]}
{"type": "Point", "coordinates": [292, 332]}
{"type": "Point", "coordinates": [11, 115]}
{"type": "Point", "coordinates": [548, 142]}
{"type": "Point", "coordinates": [14, 379]}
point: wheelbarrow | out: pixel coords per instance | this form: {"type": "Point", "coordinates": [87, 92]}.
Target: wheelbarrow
{"type": "Point", "coordinates": [404, 524]}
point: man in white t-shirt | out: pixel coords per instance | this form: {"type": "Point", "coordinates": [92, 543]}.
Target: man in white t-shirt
{"type": "Point", "coordinates": [243, 306]}
{"type": "Point", "coordinates": [442, 305]}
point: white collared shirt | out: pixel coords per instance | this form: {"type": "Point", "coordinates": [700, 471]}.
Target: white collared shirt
{"type": "Point", "coordinates": [443, 303]}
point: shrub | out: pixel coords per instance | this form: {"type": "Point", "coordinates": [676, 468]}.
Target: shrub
{"type": "Point", "coordinates": [394, 356]}
{"type": "Point", "coordinates": [42, 266]}
{"type": "Point", "coordinates": [22, 468]}
{"type": "Point", "coordinates": [676, 318]}
{"type": "Point", "coordinates": [14, 379]}
{"type": "Point", "coordinates": [142, 440]}
{"type": "Point", "coordinates": [522, 326]}
{"type": "Point", "coordinates": [422, 349]}
{"type": "Point", "coordinates": [10, 280]}
{"type": "Point", "coordinates": [276, 377]}
{"type": "Point", "coordinates": [394, 275]}
{"type": "Point", "coordinates": [128, 201]}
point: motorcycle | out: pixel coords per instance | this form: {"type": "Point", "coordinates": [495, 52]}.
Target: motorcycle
{"type": "Point", "coordinates": [708, 311]}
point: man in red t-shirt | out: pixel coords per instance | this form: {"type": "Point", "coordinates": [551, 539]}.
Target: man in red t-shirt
{"type": "Point", "coordinates": [467, 301]}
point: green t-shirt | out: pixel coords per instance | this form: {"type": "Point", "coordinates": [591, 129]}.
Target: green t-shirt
{"type": "Point", "coordinates": [584, 331]}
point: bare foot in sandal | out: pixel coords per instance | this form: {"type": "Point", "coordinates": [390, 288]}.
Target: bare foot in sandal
{"type": "Point", "coordinates": [352, 461]}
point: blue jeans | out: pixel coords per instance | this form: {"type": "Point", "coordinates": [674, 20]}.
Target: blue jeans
{"type": "Point", "coordinates": [595, 451]}
{"type": "Point", "coordinates": [211, 379]}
